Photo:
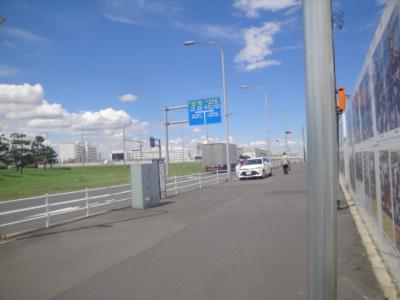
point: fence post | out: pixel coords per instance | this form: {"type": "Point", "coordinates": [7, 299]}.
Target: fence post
{"type": "Point", "coordinates": [175, 185]}
{"type": "Point", "coordinates": [47, 211]}
{"type": "Point", "coordinates": [217, 177]}
{"type": "Point", "coordinates": [200, 180]}
{"type": "Point", "coordinates": [87, 201]}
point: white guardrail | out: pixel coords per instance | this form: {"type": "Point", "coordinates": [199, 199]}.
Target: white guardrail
{"type": "Point", "coordinates": [43, 211]}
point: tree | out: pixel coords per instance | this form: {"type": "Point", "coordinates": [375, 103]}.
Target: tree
{"type": "Point", "coordinates": [37, 148]}
{"type": "Point", "coordinates": [4, 147]}
{"type": "Point", "coordinates": [49, 156]}
{"type": "Point", "coordinates": [20, 154]}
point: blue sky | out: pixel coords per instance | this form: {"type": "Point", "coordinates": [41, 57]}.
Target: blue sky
{"type": "Point", "coordinates": [66, 65]}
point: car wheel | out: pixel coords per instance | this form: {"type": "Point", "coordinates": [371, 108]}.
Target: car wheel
{"type": "Point", "coordinates": [270, 172]}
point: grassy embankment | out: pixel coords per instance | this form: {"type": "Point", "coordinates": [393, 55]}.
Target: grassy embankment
{"type": "Point", "coordinates": [39, 181]}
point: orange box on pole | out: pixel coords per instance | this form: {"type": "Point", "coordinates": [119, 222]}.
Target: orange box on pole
{"type": "Point", "coordinates": [341, 101]}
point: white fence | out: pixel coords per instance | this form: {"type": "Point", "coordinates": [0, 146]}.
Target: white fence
{"type": "Point", "coordinates": [180, 184]}
{"type": "Point", "coordinates": [32, 213]}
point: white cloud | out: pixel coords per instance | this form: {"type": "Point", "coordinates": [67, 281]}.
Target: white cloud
{"type": "Point", "coordinates": [43, 111]}
{"type": "Point", "coordinates": [210, 30]}
{"type": "Point", "coordinates": [258, 46]}
{"type": "Point", "coordinates": [24, 109]}
{"type": "Point", "coordinates": [139, 12]}
{"type": "Point", "coordinates": [128, 98]}
{"type": "Point", "coordinates": [24, 35]}
{"type": "Point", "coordinates": [251, 8]}
{"type": "Point", "coordinates": [196, 130]}
{"type": "Point", "coordinates": [8, 71]}
{"type": "Point", "coordinates": [16, 97]}
{"type": "Point", "coordinates": [105, 119]}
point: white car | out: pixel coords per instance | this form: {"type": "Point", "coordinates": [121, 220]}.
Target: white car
{"type": "Point", "coordinates": [256, 167]}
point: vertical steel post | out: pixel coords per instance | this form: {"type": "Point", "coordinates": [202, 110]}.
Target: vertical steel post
{"type": "Point", "coordinates": [304, 145]}
{"type": "Point", "coordinates": [200, 180]}
{"type": "Point", "coordinates": [166, 142]}
{"type": "Point", "coordinates": [47, 211]}
{"type": "Point", "coordinates": [217, 176]}
{"type": "Point", "coordinates": [123, 136]}
{"type": "Point", "coordinates": [87, 202]}
{"type": "Point", "coordinates": [175, 186]}
{"type": "Point", "coordinates": [322, 147]}
{"type": "Point", "coordinates": [226, 114]}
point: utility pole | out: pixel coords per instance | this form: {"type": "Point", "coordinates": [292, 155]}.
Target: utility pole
{"type": "Point", "coordinates": [322, 149]}
{"type": "Point", "coordinates": [123, 136]}
{"type": "Point", "coordinates": [166, 141]}
{"type": "Point", "coordinates": [304, 144]}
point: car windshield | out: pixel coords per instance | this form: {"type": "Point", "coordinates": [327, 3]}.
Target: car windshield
{"type": "Point", "coordinates": [253, 162]}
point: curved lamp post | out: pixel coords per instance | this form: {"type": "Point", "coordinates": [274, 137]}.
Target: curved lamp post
{"type": "Point", "coordinates": [264, 91]}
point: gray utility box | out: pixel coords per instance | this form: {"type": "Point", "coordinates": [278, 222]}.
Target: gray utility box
{"type": "Point", "coordinates": [145, 184]}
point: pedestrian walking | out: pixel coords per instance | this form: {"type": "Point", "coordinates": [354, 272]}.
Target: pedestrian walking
{"type": "Point", "coordinates": [285, 163]}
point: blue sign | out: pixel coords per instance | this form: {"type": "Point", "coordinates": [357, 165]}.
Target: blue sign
{"type": "Point", "coordinates": [204, 111]}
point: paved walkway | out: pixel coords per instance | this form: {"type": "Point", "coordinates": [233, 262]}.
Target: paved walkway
{"type": "Point", "coordinates": [241, 240]}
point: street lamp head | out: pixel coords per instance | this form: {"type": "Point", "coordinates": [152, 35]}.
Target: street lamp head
{"type": "Point", "coordinates": [189, 43]}
{"type": "Point", "coordinates": [2, 20]}
{"type": "Point", "coordinates": [244, 86]}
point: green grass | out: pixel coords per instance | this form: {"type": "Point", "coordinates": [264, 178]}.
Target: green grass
{"type": "Point", "coordinates": [180, 169]}
{"type": "Point", "coordinates": [35, 182]}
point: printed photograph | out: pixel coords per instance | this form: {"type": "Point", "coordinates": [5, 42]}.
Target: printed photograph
{"type": "Point", "coordinates": [395, 167]}
{"type": "Point", "coordinates": [356, 118]}
{"type": "Point", "coordinates": [379, 89]}
{"type": "Point", "coordinates": [364, 100]}
{"type": "Point", "coordinates": [386, 197]}
{"type": "Point", "coordinates": [352, 171]}
{"type": "Point", "coordinates": [391, 54]}
{"type": "Point", "coordinates": [372, 185]}
{"type": "Point", "coordinates": [365, 158]}
{"type": "Point", "coordinates": [359, 166]}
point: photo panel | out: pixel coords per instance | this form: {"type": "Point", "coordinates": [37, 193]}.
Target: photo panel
{"type": "Point", "coordinates": [365, 158]}
{"type": "Point", "coordinates": [395, 169]}
{"type": "Point", "coordinates": [359, 166]}
{"type": "Point", "coordinates": [391, 59]}
{"type": "Point", "coordinates": [379, 89]}
{"type": "Point", "coordinates": [352, 171]}
{"type": "Point", "coordinates": [386, 197]}
{"type": "Point", "coordinates": [365, 107]}
{"type": "Point", "coordinates": [372, 185]}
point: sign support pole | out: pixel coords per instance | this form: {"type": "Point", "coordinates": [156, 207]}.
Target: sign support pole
{"type": "Point", "coordinates": [322, 149]}
{"type": "Point", "coordinates": [166, 141]}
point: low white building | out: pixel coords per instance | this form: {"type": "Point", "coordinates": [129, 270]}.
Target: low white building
{"type": "Point", "coordinates": [77, 152]}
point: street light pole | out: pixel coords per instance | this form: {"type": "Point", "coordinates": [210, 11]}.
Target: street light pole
{"type": "Point", "coordinates": [264, 91]}
{"type": "Point", "coordinates": [215, 44]}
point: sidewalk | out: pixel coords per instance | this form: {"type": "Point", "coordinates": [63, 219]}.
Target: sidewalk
{"type": "Point", "coordinates": [240, 240]}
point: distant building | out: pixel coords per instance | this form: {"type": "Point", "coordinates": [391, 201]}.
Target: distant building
{"type": "Point", "coordinates": [252, 152]}
{"type": "Point", "coordinates": [77, 152]}
{"type": "Point", "coordinates": [175, 154]}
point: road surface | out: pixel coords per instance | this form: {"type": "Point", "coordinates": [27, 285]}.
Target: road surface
{"type": "Point", "coordinates": [240, 240]}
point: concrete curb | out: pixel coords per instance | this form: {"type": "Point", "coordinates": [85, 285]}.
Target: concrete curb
{"type": "Point", "coordinates": [382, 275]}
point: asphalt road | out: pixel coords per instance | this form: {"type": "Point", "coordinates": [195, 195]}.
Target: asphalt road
{"type": "Point", "coordinates": [240, 240]}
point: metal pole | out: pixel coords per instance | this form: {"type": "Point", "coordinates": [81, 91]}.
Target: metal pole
{"type": "Point", "coordinates": [267, 121]}
{"type": "Point", "coordinates": [322, 147]}
{"type": "Point", "coordinates": [228, 162]}
{"type": "Point", "coordinates": [166, 141]}
{"type": "Point", "coordinates": [47, 211]}
{"type": "Point", "coordinates": [123, 136]}
{"type": "Point", "coordinates": [285, 125]}
{"type": "Point", "coordinates": [304, 145]}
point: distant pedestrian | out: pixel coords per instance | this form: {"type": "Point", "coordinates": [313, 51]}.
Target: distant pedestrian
{"type": "Point", "coordinates": [285, 163]}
